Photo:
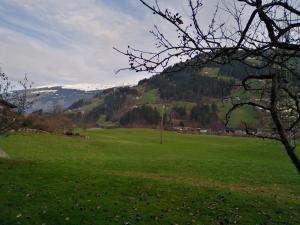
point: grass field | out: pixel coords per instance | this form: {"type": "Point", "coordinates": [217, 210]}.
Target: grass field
{"type": "Point", "coordinates": [124, 176]}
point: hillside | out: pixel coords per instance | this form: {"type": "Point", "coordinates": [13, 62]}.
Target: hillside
{"type": "Point", "coordinates": [191, 96]}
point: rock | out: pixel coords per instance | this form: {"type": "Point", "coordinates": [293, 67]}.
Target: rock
{"type": "Point", "coordinates": [4, 155]}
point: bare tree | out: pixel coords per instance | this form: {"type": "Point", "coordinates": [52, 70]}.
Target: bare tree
{"type": "Point", "coordinates": [264, 36]}
{"type": "Point", "coordinates": [12, 103]}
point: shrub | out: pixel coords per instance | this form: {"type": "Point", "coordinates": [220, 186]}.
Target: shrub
{"type": "Point", "coordinates": [52, 123]}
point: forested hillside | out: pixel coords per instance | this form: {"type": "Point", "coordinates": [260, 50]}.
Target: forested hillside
{"type": "Point", "coordinates": [191, 96]}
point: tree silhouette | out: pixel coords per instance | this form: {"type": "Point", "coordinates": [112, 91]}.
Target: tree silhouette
{"type": "Point", "coordinates": [264, 36]}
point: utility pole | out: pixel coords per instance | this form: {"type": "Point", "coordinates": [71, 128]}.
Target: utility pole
{"type": "Point", "coordinates": [162, 124]}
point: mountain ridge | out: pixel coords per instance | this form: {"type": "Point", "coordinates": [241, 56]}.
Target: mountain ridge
{"type": "Point", "coordinates": [44, 98]}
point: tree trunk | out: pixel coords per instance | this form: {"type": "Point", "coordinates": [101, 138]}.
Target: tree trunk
{"type": "Point", "coordinates": [290, 149]}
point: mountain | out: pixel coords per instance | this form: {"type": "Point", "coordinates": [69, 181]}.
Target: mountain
{"type": "Point", "coordinates": [47, 97]}
{"type": "Point", "coordinates": [186, 96]}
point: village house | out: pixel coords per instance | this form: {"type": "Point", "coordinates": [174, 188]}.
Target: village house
{"type": "Point", "coordinates": [191, 130]}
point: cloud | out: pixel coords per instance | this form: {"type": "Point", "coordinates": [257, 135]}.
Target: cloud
{"type": "Point", "coordinates": [70, 42]}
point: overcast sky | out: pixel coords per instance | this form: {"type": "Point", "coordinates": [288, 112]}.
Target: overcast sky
{"type": "Point", "coordinates": [69, 42]}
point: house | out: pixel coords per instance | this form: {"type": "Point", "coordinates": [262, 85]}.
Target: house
{"type": "Point", "coordinates": [192, 130]}
{"type": "Point", "coordinates": [240, 132]}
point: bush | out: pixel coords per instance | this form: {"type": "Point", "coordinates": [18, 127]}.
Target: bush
{"type": "Point", "coordinates": [52, 123]}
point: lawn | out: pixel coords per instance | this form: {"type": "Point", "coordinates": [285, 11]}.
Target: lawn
{"type": "Point", "coordinates": [125, 177]}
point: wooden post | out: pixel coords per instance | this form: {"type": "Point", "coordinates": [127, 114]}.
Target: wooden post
{"type": "Point", "coordinates": [162, 124]}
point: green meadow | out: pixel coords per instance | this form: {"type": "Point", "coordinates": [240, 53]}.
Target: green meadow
{"type": "Point", "coordinates": [125, 177]}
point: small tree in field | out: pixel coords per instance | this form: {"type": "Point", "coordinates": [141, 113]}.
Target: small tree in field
{"type": "Point", "coordinates": [263, 36]}
{"type": "Point", "coordinates": [12, 104]}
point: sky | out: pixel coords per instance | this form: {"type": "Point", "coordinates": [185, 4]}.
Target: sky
{"type": "Point", "coordinates": [70, 42]}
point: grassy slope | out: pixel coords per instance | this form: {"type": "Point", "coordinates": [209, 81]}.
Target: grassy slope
{"type": "Point", "coordinates": [95, 103]}
{"type": "Point", "coordinates": [151, 97]}
{"type": "Point", "coordinates": [214, 72]}
{"type": "Point", "coordinates": [124, 176]}
{"type": "Point", "coordinates": [246, 114]}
